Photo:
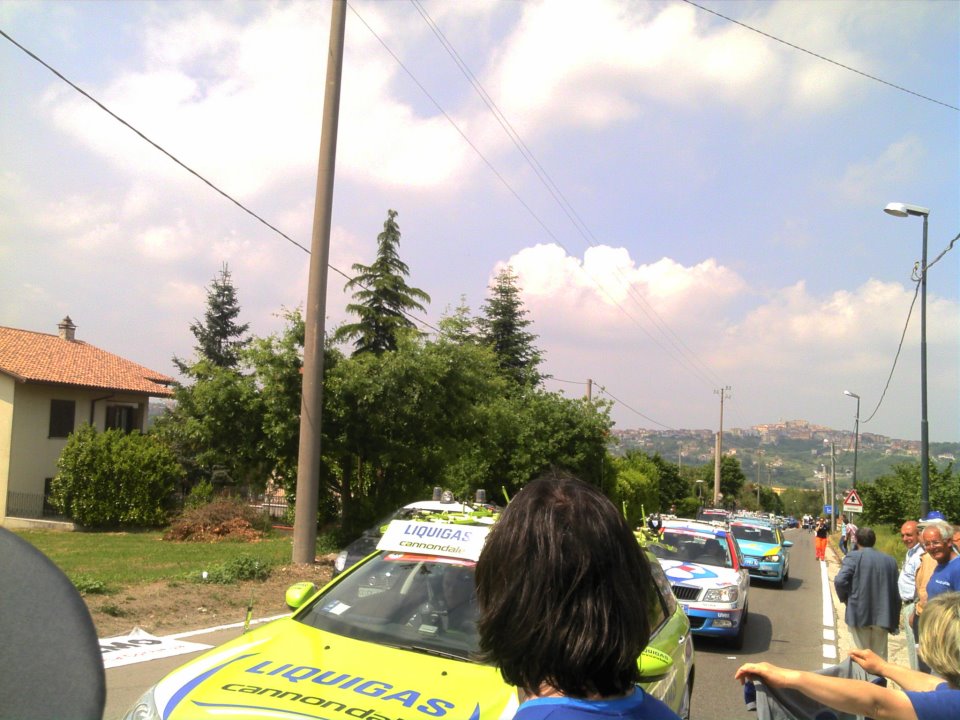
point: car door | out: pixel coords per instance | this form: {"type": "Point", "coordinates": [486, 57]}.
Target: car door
{"type": "Point", "coordinates": [742, 572]}
{"type": "Point", "coordinates": [669, 632]}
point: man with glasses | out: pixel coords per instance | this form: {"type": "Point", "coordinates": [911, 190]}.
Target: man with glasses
{"type": "Point", "coordinates": [938, 542]}
{"type": "Point", "coordinates": [907, 585]}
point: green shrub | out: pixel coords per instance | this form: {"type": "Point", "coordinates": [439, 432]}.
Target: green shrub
{"type": "Point", "coordinates": [200, 494]}
{"type": "Point", "coordinates": [235, 570]}
{"type": "Point", "coordinates": [87, 585]}
{"type": "Point", "coordinates": [114, 478]}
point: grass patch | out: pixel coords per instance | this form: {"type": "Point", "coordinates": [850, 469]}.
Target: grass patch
{"type": "Point", "coordinates": [117, 559]}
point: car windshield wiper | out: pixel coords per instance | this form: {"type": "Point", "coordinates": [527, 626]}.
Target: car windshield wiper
{"type": "Point", "coordinates": [431, 651]}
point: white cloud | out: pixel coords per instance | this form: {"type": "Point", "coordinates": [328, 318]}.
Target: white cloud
{"type": "Point", "coordinates": [897, 165]}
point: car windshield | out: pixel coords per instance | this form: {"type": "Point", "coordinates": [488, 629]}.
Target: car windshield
{"type": "Point", "coordinates": [415, 602]}
{"type": "Point", "coordinates": [697, 548]}
{"type": "Point", "coordinates": [757, 534]}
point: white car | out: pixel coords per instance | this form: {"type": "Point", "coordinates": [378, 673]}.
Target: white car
{"type": "Point", "coordinates": [709, 576]}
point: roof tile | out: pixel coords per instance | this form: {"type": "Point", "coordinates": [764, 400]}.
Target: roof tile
{"type": "Point", "coordinates": [41, 357]}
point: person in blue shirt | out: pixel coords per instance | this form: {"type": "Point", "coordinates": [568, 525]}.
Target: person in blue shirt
{"type": "Point", "coordinates": [563, 589]}
{"type": "Point", "coordinates": [921, 696]}
{"type": "Point", "coordinates": [938, 542]}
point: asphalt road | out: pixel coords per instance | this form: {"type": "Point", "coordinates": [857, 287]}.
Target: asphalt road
{"type": "Point", "coordinates": [785, 628]}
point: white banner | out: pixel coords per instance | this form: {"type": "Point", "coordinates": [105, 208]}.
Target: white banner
{"type": "Point", "coordinates": [140, 646]}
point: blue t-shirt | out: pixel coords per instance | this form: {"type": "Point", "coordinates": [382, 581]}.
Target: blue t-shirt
{"type": "Point", "coordinates": [945, 578]}
{"type": "Point", "coordinates": [939, 704]}
{"type": "Point", "coordinates": [636, 706]}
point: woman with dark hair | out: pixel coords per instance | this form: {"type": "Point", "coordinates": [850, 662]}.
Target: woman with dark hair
{"type": "Point", "coordinates": [563, 589]}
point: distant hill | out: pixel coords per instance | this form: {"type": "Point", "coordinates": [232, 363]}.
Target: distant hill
{"type": "Point", "coordinates": [789, 454]}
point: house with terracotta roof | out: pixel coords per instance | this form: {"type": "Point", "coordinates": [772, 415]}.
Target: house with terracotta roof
{"type": "Point", "coordinates": [50, 385]}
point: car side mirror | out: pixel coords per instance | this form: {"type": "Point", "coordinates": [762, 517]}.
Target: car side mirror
{"type": "Point", "coordinates": [654, 665]}
{"type": "Point", "coordinates": [749, 562]}
{"type": "Point", "coordinates": [787, 543]}
{"type": "Point", "coordinates": [298, 593]}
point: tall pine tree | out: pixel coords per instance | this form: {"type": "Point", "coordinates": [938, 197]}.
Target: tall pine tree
{"type": "Point", "coordinates": [503, 327]}
{"type": "Point", "coordinates": [219, 336]}
{"type": "Point", "coordinates": [382, 297]}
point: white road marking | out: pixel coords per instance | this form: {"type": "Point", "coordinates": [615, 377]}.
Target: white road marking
{"type": "Point", "coordinates": [829, 628]}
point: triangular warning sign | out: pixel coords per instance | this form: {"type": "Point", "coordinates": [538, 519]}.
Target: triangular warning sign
{"type": "Point", "coordinates": [853, 499]}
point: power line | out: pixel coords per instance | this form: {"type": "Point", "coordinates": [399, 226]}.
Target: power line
{"type": "Point", "coordinates": [193, 172]}
{"type": "Point", "coordinates": [916, 290]}
{"type": "Point", "coordinates": [820, 57]}
{"type": "Point", "coordinates": [681, 350]}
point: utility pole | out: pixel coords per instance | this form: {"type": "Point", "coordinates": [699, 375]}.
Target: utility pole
{"type": "Point", "coordinates": [311, 401]}
{"type": "Point", "coordinates": [833, 487]}
{"type": "Point", "coordinates": [759, 456]}
{"type": "Point", "coordinates": [723, 393]}
{"type": "Point", "coordinates": [589, 389]}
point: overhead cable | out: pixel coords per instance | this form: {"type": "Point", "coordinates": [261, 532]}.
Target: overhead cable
{"type": "Point", "coordinates": [821, 57]}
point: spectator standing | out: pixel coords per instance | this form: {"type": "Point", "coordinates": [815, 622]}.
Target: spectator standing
{"type": "Point", "coordinates": [867, 583]}
{"type": "Point", "coordinates": [568, 622]}
{"type": "Point", "coordinates": [843, 534]}
{"type": "Point", "coordinates": [820, 544]}
{"type": "Point", "coordinates": [852, 542]}
{"type": "Point", "coordinates": [938, 542]}
{"type": "Point", "coordinates": [907, 585]}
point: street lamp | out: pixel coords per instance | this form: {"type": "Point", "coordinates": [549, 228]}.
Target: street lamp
{"type": "Point", "coordinates": [700, 490]}
{"type": "Point", "coordinates": [856, 435]}
{"type": "Point", "coordinates": [905, 210]}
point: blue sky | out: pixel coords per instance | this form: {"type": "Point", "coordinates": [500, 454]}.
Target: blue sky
{"type": "Point", "coordinates": [721, 219]}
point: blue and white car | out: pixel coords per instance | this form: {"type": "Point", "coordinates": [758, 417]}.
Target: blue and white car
{"type": "Point", "coordinates": [708, 575]}
{"type": "Point", "coordinates": [765, 544]}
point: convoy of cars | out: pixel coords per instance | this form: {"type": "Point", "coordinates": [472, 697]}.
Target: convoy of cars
{"type": "Point", "coordinates": [392, 636]}
{"type": "Point", "coordinates": [394, 633]}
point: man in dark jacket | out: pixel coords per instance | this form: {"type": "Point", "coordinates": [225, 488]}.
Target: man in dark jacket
{"type": "Point", "coordinates": [867, 583]}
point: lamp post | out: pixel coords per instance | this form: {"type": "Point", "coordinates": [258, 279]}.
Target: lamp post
{"type": "Point", "coordinates": [856, 435]}
{"type": "Point", "coordinates": [905, 210]}
{"type": "Point", "coordinates": [700, 491]}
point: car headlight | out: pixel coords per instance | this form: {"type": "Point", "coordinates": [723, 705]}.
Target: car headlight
{"type": "Point", "coordinates": [144, 709]}
{"type": "Point", "coordinates": [772, 558]}
{"type": "Point", "coordinates": [341, 561]}
{"type": "Point", "coordinates": [727, 594]}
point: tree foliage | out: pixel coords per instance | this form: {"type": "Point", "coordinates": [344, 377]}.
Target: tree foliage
{"type": "Point", "coordinates": [637, 487]}
{"type": "Point", "coordinates": [215, 427]}
{"type": "Point", "coordinates": [382, 297]}
{"type": "Point", "coordinates": [503, 327]}
{"type": "Point", "coordinates": [891, 499]}
{"type": "Point", "coordinates": [114, 478]}
{"type": "Point", "coordinates": [731, 480]}
{"type": "Point", "coordinates": [219, 337]}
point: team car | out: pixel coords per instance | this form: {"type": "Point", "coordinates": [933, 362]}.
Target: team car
{"type": "Point", "coordinates": [391, 637]}
{"type": "Point", "coordinates": [442, 504]}
{"type": "Point", "coordinates": [708, 575]}
{"type": "Point", "coordinates": [764, 543]}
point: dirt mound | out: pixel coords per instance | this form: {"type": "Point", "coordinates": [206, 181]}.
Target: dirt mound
{"type": "Point", "coordinates": [165, 608]}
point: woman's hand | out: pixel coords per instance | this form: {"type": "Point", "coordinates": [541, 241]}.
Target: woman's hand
{"type": "Point", "coordinates": [869, 661]}
{"type": "Point", "coordinates": [770, 674]}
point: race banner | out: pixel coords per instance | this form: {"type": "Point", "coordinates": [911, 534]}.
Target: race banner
{"type": "Point", "coordinates": [140, 646]}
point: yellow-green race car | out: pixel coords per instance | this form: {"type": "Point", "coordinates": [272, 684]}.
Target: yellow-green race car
{"type": "Point", "coordinates": [393, 638]}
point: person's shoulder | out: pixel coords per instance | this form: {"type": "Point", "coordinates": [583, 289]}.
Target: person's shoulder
{"type": "Point", "coordinates": [942, 702]}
